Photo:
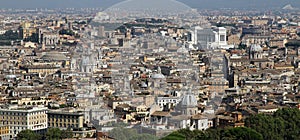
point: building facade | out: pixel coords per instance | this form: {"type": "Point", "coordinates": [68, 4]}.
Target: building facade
{"type": "Point", "coordinates": [64, 120]}
{"type": "Point", "coordinates": [18, 119]}
{"type": "Point", "coordinates": [4, 132]}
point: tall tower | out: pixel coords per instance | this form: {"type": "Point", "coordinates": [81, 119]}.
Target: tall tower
{"type": "Point", "coordinates": [88, 63]}
{"type": "Point", "coordinates": [101, 31]}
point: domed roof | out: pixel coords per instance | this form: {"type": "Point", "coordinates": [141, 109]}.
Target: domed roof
{"type": "Point", "coordinates": [182, 50]}
{"type": "Point", "coordinates": [156, 7]}
{"type": "Point", "coordinates": [255, 48]}
{"type": "Point", "coordinates": [56, 56]}
{"type": "Point", "coordinates": [158, 75]}
{"type": "Point", "coordinates": [189, 100]}
{"type": "Point", "coordinates": [144, 85]}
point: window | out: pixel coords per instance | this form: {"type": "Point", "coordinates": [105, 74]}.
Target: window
{"type": "Point", "coordinates": [222, 37]}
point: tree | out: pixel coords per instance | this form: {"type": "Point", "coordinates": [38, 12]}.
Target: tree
{"type": "Point", "coordinates": [67, 134]}
{"type": "Point", "coordinates": [265, 124]}
{"type": "Point", "coordinates": [143, 137]}
{"type": "Point", "coordinates": [122, 133]}
{"type": "Point", "coordinates": [66, 32]}
{"type": "Point", "coordinates": [33, 38]}
{"type": "Point", "coordinates": [129, 134]}
{"type": "Point", "coordinates": [10, 35]}
{"type": "Point", "coordinates": [284, 124]}
{"type": "Point", "coordinates": [174, 136]}
{"type": "Point", "coordinates": [242, 46]}
{"type": "Point", "coordinates": [214, 133]}
{"type": "Point", "coordinates": [53, 133]}
{"type": "Point", "coordinates": [186, 134]}
{"type": "Point", "coordinates": [28, 135]}
{"type": "Point", "coordinates": [290, 122]}
{"type": "Point", "coordinates": [242, 133]}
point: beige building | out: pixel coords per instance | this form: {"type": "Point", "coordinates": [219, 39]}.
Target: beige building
{"type": "Point", "coordinates": [27, 29]}
{"type": "Point", "coordinates": [260, 22]}
{"type": "Point", "coordinates": [63, 119]}
{"type": "Point", "coordinates": [31, 101]}
{"type": "Point", "coordinates": [41, 69]}
{"type": "Point", "coordinates": [22, 118]}
{"type": "Point", "coordinates": [4, 132]}
{"type": "Point", "coordinates": [234, 40]}
{"type": "Point", "coordinates": [277, 42]}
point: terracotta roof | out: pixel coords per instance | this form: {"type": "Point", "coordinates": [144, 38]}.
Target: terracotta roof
{"type": "Point", "coordinates": [123, 105]}
{"type": "Point", "coordinates": [161, 113]}
{"type": "Point", "coordinates": [267, 107]}
{"type": "Point", "coordinates": [225, 117]}
{"type": "Point", "coordinates": [198, 117]}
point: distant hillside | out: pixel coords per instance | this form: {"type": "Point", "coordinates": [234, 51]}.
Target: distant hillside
{"type": "Point", "coordinates": [288, 7]}
{"type": "Point", "coordinates": [202, 4]}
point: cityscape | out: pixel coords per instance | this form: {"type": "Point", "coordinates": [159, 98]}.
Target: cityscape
{"type": "Point", "coordinates": [150, 70]}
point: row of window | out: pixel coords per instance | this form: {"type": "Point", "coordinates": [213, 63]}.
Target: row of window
{"type": "Point", "coordinates": [13, 113]}
{"type": "Point", "coordinates": [63, 125]}
{"type": "Point", "coordinates": [62, 116]}
{"type": "Point", "coordinates": [20, 118]}
{"type": "Point", "coordinates": [168, 100]}
{"type": "Point", "coordinates": [63, 120]}
{"type": "Point", "coordinates": [37, 122]}
{"type": "Point", "coordinates": [21, 113]}
{"type": "Point", "coordinates": [15, 122]}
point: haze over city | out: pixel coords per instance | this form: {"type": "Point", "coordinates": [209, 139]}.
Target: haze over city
{"type": "Point", "coordinates": [200, 4]}
{"type": "Point", "coordinates": [149, 70]}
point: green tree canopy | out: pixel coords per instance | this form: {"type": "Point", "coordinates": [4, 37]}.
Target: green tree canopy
{"type": "Point", "coordinates": [283, 124]}
{"type": "Point", "coordinates": [28, 135]}
{"type": "Point", "coordinates": [53, 134]}
{"type": "Point", "coordinates": [66, 32]}
{"type": "Point", "coordinates": [241, 133]}
{"type": "Point", "coordinates": [129, 134]}
{"type": "Point", "coordinates": [67, 134]}
{"type": "Point", "coordinates": [10, 35]}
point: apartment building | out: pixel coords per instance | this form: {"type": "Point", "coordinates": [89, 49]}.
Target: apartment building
{"type": "Point", "coordinates": [20, 118]}
{"type": "Point", "coordinates": [63, 119]}
{"type": "Point", "coordinates": [4, 132]}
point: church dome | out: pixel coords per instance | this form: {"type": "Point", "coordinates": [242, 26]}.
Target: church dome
{"type": "Point", "coordinates": [255, 48]}
{"type": "Point", "coordinates": [154, 7]}
{"type": "Point", "coordinates": [158, 75]}
{"type": "Point", "coordinates": [189, 100]}
{"type": "Point", "coordinates": [144, 85]}
{"type": "Point", "coordinates": [182, 50]}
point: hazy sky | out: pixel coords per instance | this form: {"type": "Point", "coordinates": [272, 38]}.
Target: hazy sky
{"type": "Point", "coordinates": [106, 3]}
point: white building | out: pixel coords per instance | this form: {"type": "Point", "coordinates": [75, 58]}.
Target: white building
{"type": "Point", "coordinates": [167, 102]}
{"type": "Point", "coordinates": [210, 38]}
{"type": "Point", "coordinates": [49, 38]}
{"type": "Point", "coordinates": [220, 35]}
{"type": "Point", "coordinates": [189, 116]}
{"type": "Point", "coordinates": [97, 115]}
